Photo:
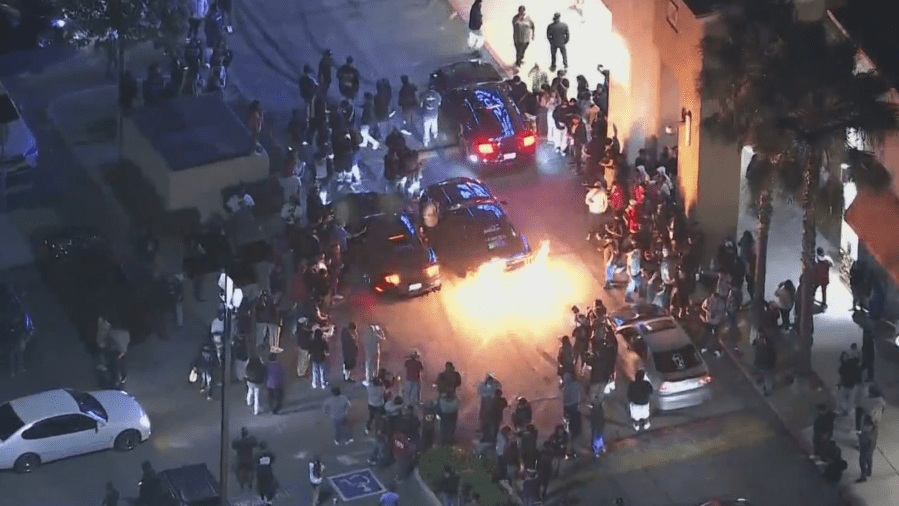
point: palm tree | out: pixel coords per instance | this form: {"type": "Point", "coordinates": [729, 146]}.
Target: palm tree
{"type": "Point", "coordinates": [792, 91]}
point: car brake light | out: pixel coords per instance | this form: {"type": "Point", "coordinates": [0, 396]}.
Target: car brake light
{"type": "Point", "coordinates": [487, 148]}
{"type": "Point", "coordinates": [705, 380]}
{"type": "Point", "coordinates": [528, 140]}
{"type": "Point", "coordinates": [392, 279]}
{"type": "Point", "coordinates": [432, 271]}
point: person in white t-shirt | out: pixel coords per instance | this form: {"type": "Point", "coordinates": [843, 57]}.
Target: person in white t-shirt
{"type": "Point", "coordinates": [597, 204]}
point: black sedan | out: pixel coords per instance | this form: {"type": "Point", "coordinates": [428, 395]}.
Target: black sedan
{"type": "Point", "coordinates": [80, 266]}
{"type": "Point", "coordinates": [478, 109]}
{"type": "Point", "coordinates": [467, 226]}
{"type": "Point", "coordinates": [394, 259]}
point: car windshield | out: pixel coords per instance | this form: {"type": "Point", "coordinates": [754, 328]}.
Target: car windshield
{"type": "Point", "coordinates": [9, 421]}
{"type": "Point", "coordinates": [89, 405]}
{"type": "Point", "coordinates": [634, 313]}
{"type": "Point", "coordinates": [491, 114]}
{"type": "Point", "coordinates": [680, 359]}
{"type": "Point", "coordinates": [8, 111]}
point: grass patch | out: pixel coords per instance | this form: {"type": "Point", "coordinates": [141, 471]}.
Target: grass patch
{"type": "Point", "coordinates": [474, 473]}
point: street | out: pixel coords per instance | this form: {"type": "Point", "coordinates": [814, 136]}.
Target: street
{"type": "Point", "coordinates": [732, 446]}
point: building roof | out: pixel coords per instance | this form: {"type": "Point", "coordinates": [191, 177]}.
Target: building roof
{"type": "Point", "coordinates": [872, 25]}
{"type": "Point", "coordinates": [703, 7]}
{"type": "Point", "coordinates": [194, 131]}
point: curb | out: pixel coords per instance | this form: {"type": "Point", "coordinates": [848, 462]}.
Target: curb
{"type": "Point", "coordinates": [846, 493]}
{"type": "Point", "coordinates": [432, 497]}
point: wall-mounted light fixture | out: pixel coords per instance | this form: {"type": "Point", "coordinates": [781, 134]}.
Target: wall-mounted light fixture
{"type": "Point", "coordinates": [686, 119]}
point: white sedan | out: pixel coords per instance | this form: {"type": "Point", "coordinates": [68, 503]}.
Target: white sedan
{"type": "Point", "coordinates": [63, 423]}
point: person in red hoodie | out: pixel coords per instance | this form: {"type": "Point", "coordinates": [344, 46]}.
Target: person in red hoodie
{"type": "Point", "coordinates": [632, 217]}
{"type": "Point", "coordinates": [616, 198]}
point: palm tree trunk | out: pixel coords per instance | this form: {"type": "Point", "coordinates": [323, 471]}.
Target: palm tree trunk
{"type": "Point", "coordinates": [765, 211]}
{"type": "Point", "coordinates": [806, 280]}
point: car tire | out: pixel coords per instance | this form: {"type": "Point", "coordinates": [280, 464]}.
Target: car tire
{"type": "Point", "coordinates": [127, 440]}
{"type": "Point", "coordinates": [27, 463]}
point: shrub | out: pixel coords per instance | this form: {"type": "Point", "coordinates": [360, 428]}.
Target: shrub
{"type": "Point", "coordinates": [473, 472]}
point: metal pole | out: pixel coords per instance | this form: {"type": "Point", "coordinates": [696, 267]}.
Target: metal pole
{"type": "Point", "coordinates": [225, 452]}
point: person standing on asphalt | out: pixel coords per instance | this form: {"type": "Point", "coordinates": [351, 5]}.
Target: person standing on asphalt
{"type": "Point", "coordinates": [868, 355]}
{"type": "Point", "coordinates": [850, 376]}
{"type": "Point", "coordinates": [558, 35]}
{"type": "Point", "coordinates": [111, 498]}
{"type": "Point", "coordinates": [448, 380]}
{"type": "Point", "coordinates": [475, 24]}
{"type": "Point", "coordinates": [412, 382]}
{"type": "Point", "coordinates": [146, 487]}
{"type": "Point", "coordinates": [274, 383]}
{"type": "Point", "coordinates": [265, 475]}
{"type": "Point", "coordinates": [373, 341]}
{"type": "Point", "coordinates": [597, 204]}
{"type": "Point", "coordinates": [639, 393]}
{"type": "Point", "coordinates": [871, 405]}
{"type": "Point", "coordinates": [348, 80]}
{"type": "Point", "coordinates": [448, 407]}
{"type": "Point", "coordinates": [572, 392]}
{"type": "Point", "coordinates": [867, 443]}
{"type": "Point", "coordinates": [255, 380]}
{"type": "Point", "coordinates": [349, 347]}
{"type": "Point", "coordinates": [308, 87]}
{"type": "Point", "coordinates": [337, 408]}
{"type": "Point", "coordinates": [197, 11]}
{"type": "Point", "coordinates": [205, 364]}
{"type": "Point", "coordinates": [267, 328]}
{"type": "Point", "coordinates": [448, 487]}
{"type": "Point", "coordinates": [522, 34]}
{"type": "Point", "coordinates": [530, 489]}
{"type": "Point", "coordinates": [714, 311]}
{"type": "Point", "coordinates": [325, 67]}
{"type": "Point", "coordinates": [430, 114]}
{"type": "Point", "coordinates": [408, 101]}
{"type": "Point", "coordinates": [544, 469]}
{"type": "Point", "coordinates": [487, 392]}
{"type": "Point", "coordinates": [377, 396]}
{"type": "Point", "coordinates": [822, 430]}
{"type": "Point", "coordinates": [244, 446]}
{"type": "Point", "coordinates": [765, 362]}
{"type": "Point", "coordinates": [369, 124]}
{"type": "Point", "coordinates": [318, 353]}
{"type": "Point", "coordinates": [316, 477]}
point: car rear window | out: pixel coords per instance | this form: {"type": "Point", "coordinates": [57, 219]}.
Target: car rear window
{"type": "Point", "coordinates": [680, 359]}
{"type": "Point", "coordinates": [9, 421]}
{"type": "Point", "coordinates": [8, 111]}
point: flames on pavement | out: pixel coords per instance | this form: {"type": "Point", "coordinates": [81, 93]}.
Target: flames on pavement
{"type": "Point", "coordinates": [531, 304]}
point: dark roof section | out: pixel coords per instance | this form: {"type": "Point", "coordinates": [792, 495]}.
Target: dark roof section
{"type": "Point", "coordinates": [871, 24]}
{"type": "Point", "coordinates": [703, 7]}
{"type": "Point", "coordinates": [193, 131]}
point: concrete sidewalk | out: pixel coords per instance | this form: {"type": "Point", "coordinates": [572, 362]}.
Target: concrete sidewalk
{"type": "Point", "coordinates": [834, 332]}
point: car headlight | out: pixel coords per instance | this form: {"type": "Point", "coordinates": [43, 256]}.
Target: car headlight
{"type": "Point", "coordinates": [392, 279]}
{"type": "Point", "coordinates": [433, 271]}
{"type": "Point", "coordinates": [59, 23]}
{"type": "Point", "coordinates": [145, 421]}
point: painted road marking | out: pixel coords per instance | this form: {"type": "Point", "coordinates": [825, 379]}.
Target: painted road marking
{"type": "Point", "coordinates": [356, 484]}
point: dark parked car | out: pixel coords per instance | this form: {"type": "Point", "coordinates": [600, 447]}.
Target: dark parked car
{"type": "Point", "coordinates": [81, 267]}
{"type": "Point", "coordinates": [393, 257]}
{"type": "Point", "coordinates": [191, 485]}
{"type": "Point", "coordinates": [471, 228]}
{"type": "Point", "coordinates": [478, 110]}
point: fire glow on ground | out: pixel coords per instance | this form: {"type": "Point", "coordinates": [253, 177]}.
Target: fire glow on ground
{"type": "Point", "coordinates": [532, 303]}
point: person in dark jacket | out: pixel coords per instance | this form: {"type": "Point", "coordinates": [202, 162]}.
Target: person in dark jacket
{"type": "Point", "coordinates": [368, 126]}
{"type": "Point", "coordinates": [822, 429]}
{"type": "Point", "coordinates": [265, 475]}
{"type": "Point", "coordinates": [318, 353]}
{"type": "Point", "coordinates": [475, 23]}
{"type": "Point", "coordinates": [308, 88]}
{"type": "Point", "coordinates": [850, 376]}
{"type": "Point", "coordinates": [765, 362]}
{"type": "Point", "coordinates": [523, 415]}
{"type": "Point", "coordinates": [868, 356]}
{"type": "Point", "coordinates": [579, 140]}
{"type": "Point", "coordinates": [448, 487]}
{"type": "Point", "coordinates": [408, 101]}
{"type": "Point", "coordinates": [598, 425]}
{"type": "Point", "coordinates": [639, 393]}
{"type": "Point", "coordinates": [349, 347]}
{"type": "Point", "coordinates": [348, 79]}
{"type": "Point", "coordinates": [558, 35]}
{"type": "Point", "coordinates": [325, 67]}
{"type": "Point", "coordinates": [274, 383]}
{"type": "Point", "coordinates": [244, 446]}
{"type": "Point", "coordinates": [545, 468]}
{"type": "Point", "coordinates": [205, 364]}
{"type": "Point", "coordinates": [255, 381]}
{"type": "Point", "coordinates": [146, 487]}
{"type": "Point", "coordinates": [448, 380]}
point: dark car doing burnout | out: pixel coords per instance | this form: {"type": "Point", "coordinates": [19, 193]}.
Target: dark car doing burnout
{"type": "Point", "coordinates": [470, 227]}
{"type": "Point", "coordinates": [477, 106]}
{"type": "Point", "coordinates": [394, 259]}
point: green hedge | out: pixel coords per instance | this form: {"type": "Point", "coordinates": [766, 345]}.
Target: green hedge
{"type": "Point", "coordinates": [473, 472]}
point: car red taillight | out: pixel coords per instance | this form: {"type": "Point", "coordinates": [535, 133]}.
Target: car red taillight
{"type": "Point", "coordinates": [528, 140]}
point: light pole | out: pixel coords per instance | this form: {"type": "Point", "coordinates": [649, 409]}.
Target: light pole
{"type": "Point", "coordinates": [231, 297]}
